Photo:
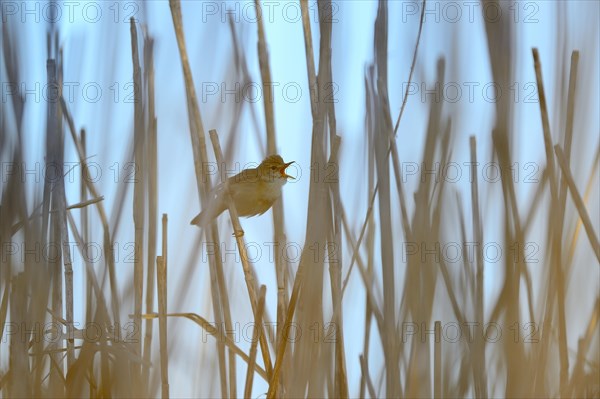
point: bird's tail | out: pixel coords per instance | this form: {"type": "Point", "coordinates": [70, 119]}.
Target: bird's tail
{"type": "Point", "coordinates": [199, 219]}
{"type": "Point", "coordinates": [214, 209]}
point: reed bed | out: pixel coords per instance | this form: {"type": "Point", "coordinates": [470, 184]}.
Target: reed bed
{"type": "Point", "coordinates": [73, 326]}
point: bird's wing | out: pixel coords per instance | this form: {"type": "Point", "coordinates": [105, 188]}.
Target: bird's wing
{"type": "Point", "coordinates": [246, 176]}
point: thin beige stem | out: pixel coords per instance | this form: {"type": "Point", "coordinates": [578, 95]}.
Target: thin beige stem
{"type": "Point", "coordinates": [255, 336]}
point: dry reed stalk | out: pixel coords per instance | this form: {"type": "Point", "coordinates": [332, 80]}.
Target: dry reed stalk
{"type": "Point", "coordinates": [198, 140]}
{"type": "Point", "coordinates": [214, 331]}
{"type": "Point", "coordinates": [102, 318]}
{"type": "Point", "coordinates": [558, 275]}
{"type": "Point", "coordinates": [421, 274]}
{"type": "Point", "coordinates": [365, 373]}
{"type": "Point", "coordinates": [586, 196]}
{"type": "Point", "coordinates": [508, 370]}
{"type": "Point", "coordinates": [265, 74]}
{"type": "Point", "coordinates": [107, 243]}
{"type": "Point", "coordinates": [138, 201]}
{"type": "Point", "coordinates": [509, 301]}
{"type": "Point", "coordinates": [437, 360]}
{"type": "Point", "coordinates": [335, 270]}
{"type": "Point", "coordinates": [278, 221]}
{"type": "Point", "coordinates": [533, 207]}
{"type": "Point", "coordinates": [479, 375]}
{"type": "Point", "coordinates": [247, 268]}
{"type": "Point", "coordinates": [501, 49]}
{"type": "Point", "coordinates": [578, 201]}
{"type": "Point", "coordinates": [161, 275]}
{"type": "Point", "coordinates": [577, 375]}
{"type": "Point", "coordinates": [308, 379]}
{"type": "Point", "coordinates": [373, 290]}
{"type": "Point", "coordinates": [281, 348]}
{"type": "Point", "coordinates": [59, 205]}
{"type": "Point", "coordinates": [383, 132]}
{"type": "Point", "coordinates": [151, 157]}
{"type": "Point", "coordinates": [366, 382]}
{"type": "Point", "coordinates": [334, 210]}
{"type": "Point", "coordinates": [52, 192]}
{"type": "Point", "coordinates": [392, 149]}
{"type": "Point", "coordinates": [274, 378]}
{"type": "Point", "coordinates": [255, 339]}
{"type": "Point", "coordinates": [568, 138]}
{"type": "Point", "coordinates": [310, 60]}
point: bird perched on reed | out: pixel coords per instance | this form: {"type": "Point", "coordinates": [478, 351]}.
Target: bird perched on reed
{"type": "Point", "coordinates": [253, 191]}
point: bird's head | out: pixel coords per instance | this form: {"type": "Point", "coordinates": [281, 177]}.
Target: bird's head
{"type": "Point", "coordinates": [272, 168]}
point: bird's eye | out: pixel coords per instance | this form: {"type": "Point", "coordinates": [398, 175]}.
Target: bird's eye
{"type": "Point", "coordinates": [273, 167]}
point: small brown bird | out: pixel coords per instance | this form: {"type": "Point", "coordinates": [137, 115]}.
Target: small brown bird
{"type": "Point", "coordinates": [253, 190]}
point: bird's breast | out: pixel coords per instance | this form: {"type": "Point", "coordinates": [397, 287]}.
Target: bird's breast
{"type": "Point", "coordinates": [255, 198]}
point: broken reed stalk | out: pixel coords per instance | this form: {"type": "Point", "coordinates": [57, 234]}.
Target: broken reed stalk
{"type": "Point", "coordinates": [310, 60]}
{"type": "Point", "coordinates": [161, 276]}
{"type": "Point", "coordinates": [479, 361]}
{"type": "Point", "coordinates": [568, 138]}
{"type": "Point", "coordinates": [138, 201]}
{"type": "Point", "coordinates": [255, 337]}
{"type": "Point", "coordinates": [50, 226]}
{"type": "Point", "coordinates": [218, 288]}
{"type": "Point", "coordinates": [152, 192]}
{"type": "Point", "coordinates": [556, 226]}
{"type": "Point", "coordinates": [60, 204]}
{"type": "Point", "coordinates": [239, 237]}
{"type": "Point", "coordinates": [383, 131]}
{"type": "Point", "coordinates": [265, 74]}
{"type": "Point", "coordinates": [278, 229]}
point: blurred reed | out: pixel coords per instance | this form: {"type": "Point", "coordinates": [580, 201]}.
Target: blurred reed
{"type": "Point", "coordinates": [42, 291]}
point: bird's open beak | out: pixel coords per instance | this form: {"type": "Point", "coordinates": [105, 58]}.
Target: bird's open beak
{"type": "Point", "coordinates": [282, 170]}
